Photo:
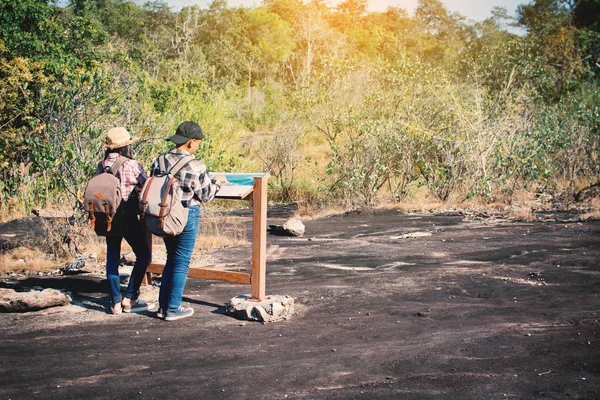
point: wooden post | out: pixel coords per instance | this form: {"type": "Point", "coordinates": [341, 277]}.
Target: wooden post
{"type": "Point", "coordinates": [259, 237]}
{"type": "Point", "coordinates": [148, 275]}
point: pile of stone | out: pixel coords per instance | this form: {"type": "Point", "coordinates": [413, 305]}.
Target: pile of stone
{"type": "Point", "coordinates": [273, 308]}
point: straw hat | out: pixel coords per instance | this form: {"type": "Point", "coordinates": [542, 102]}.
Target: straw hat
{"type": "Point", "coordinates": [118, 137]}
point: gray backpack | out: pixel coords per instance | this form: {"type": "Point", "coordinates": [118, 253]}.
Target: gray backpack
{"type": "Point", "coordinates": [160, 200]}
{"type": "Point", "coordinates": [104, 203]}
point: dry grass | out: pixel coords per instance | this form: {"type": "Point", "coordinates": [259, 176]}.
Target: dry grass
{"type": "Point", "coordinates": [425, 205]}
{"type": "Point", "coordinates": [15, 207]}
{"type": "Point", "coordinates": [594, 212]}
{"type": "Point", "coordinates": [521, 213]}
{"type": "Point", "coordinates": [219, 232]}
{"type": "Point", "coordinates": [522, 205]}
{"type": "Point", "coordinates": [519, 207]}
{"type": "Point", "coordinates": [419, 200]}
{"type": "Point", "coordinates": [27, 260]}
{"type": "Point", "coordinates": [9, 211]}
{"type": "Point", "coordinates": [95, 246]}
{"type": "Point", "coordinates": [316, 212]}
{"type": "Point", "coordinates": [215, 232]}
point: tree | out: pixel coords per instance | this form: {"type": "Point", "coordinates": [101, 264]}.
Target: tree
{"type": "Point", "coordinates": [553, 36]}
{"type": "Point", "coordinates": [354, 8]}
{"type": "Point", "coordinates": [42, 47]}
{"type": "Point", "coordinates": [586, 14]}
{"type": "Point", "coordinates": [289, 10]}
{"type": "Point", "coordinates": [446, 33]}
{"type": "Point", "coordinates": [189, 57]}
{"type": "Point", "coordinates": [544, 17]}
{"type": "Point", "coordinates": [30, 28]}
{"type": "Point", "coordinates": [268, 41]}
{"type": "Point", "coordinates": [586, 17]}
{"type": "Point", "coordinates": [220, 37]}
{"type": "Point", "coordinates": [396, 31]}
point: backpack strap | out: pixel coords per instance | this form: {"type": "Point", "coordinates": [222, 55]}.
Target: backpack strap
{"type": "Point", "coordinates": [163, 205]}
{"type": "Point", "coordinates": [144, 196]}
{"type": "Point", "coordinates": [180, 164]}
{"type": "Point", "coordinates": [117, 164]}
{"type": "Point", "coordinates": [161, 164]}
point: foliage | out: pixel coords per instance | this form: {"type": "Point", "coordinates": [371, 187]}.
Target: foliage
{"type": "Point", "coordinates": [344, 101]}
{"type": "Point", "coordinates": [281, 157]}
{"type": "Point", "coordinates": [561, 145]}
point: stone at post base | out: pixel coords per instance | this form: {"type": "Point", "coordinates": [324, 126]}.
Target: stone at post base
{"type": "Point", "coordinates": [273, 308]}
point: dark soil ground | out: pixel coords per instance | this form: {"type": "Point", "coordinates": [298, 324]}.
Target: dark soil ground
{"type": "Point", "coordinates": [481, 309]}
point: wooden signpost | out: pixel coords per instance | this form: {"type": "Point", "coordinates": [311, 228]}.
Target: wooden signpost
{"type": "Point", "coordinates": [257, 192]}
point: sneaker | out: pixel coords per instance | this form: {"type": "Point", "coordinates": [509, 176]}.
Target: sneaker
{"type": "Point", "coordinates": [181, 313]}
{"type": "Point", "coordinates": [138, 306]}
{"type": "Point", "coordinates": [160, 313]}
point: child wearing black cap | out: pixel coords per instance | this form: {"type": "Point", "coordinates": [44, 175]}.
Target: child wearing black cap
{"type": "Point", "coordinates": [197, 188]}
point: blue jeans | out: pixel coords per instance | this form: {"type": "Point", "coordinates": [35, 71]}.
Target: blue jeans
{"type": "Point", "coordinates": [135, 235]}
{"type": "Point", "coordinates": [179, 254]}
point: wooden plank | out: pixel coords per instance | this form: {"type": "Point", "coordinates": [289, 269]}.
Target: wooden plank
{"type": "Point", "coordinates": [235, 192]}
{"type": "Point", "coordinates": [209, 274]}
{"type": "Point", "coordinates": [155, 268]}
{"type": "Point", "coordinates": [259, 238]}
{"type": "Point", "coordinates": [216, 275]}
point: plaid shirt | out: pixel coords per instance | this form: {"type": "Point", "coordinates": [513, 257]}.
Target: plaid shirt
{"type": "Point", "coordinates": [193, 178]}
{"type": "Point", "coordinates": [131, 174]}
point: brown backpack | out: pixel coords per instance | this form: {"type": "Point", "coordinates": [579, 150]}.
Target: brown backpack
{"type": "Point", "coordinates": [160, 200]}
{"type": "Point", "coordinates": [104, 203]}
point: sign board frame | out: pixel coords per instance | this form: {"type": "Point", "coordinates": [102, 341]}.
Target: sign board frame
{"type": "Point", "coordinates": [257, 192]}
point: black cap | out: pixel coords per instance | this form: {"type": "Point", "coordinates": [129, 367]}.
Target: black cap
{"type": "Point", "coordinates": [186, 131]}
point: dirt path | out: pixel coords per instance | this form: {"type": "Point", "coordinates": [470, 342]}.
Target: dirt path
{"type": "Point", "coordinates": [476, 310]}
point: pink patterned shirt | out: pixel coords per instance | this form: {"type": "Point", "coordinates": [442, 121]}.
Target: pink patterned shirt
{"type": "Point", "coordinates": [131, 174]}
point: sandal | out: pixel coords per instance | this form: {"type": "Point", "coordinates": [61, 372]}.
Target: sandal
{"type": "Point", "coordinates": [116, 309]}
{"type": "Point", "coordinates": [137, 306]}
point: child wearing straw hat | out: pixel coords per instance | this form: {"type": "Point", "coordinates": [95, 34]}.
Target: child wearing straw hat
{"type": "Point", "coordinates": [132, 177]}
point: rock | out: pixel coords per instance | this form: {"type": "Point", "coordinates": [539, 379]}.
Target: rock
{"type": "Point", "coordinates": [158, 256]}
{"type": "Point", "coordinates": [128, 259]}
{"type": "Point", "coordinates": [13, 301]}
{"type": "Point", "coordinates": [75, 266]}
{"type": "Point", "coordinates": [31, 232]}
{"type": "Point", "coordinates": [276, 230]}
{"type": "Point", "coordinates": [273, 308]}
{"type": "Point", "coordinates": [292, 227]}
